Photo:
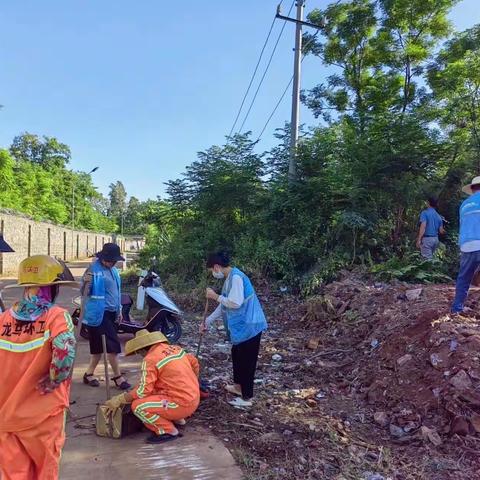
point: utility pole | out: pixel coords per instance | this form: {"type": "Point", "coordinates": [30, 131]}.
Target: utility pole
{"type": "Point", "coordinates": [73, 205]}
{"type": "Point", "coordinates": [73, 213]}
{"type": "Point", "coordinates": [294, 124]}
{"type": "Point", "coordinates": [295, 120]}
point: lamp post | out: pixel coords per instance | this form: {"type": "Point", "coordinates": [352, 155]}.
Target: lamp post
{"type": "Point", "coordinates": [73, 203]}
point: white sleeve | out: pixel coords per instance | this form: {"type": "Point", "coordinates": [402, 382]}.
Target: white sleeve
{"type": "Point", "coordinates": [236, 296]}
{"type": "Point", "coordinates": [214, 316]}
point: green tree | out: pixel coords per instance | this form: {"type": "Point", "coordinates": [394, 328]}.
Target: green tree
{"type": "Point", "coordinates": [118, 201]}
{"type": "Point", "coordinates": [454, 77]}
{"type": "Point", "coordinates": [47, 152]}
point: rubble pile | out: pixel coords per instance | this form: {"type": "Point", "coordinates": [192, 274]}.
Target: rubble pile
{"type": "Point", "coordinates": [367, 380]}
{"type": "Point", "coordinates": [413, 359]}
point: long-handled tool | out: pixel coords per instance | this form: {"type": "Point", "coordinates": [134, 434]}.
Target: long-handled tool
{"type": "Point", "coordinates": [203, 391]}
{"type": "Point", "coordinates": [204, 319]}
{"type": "Point", "coordinates": [105, 364]}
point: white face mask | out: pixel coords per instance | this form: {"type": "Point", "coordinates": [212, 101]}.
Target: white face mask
{"type": "Point", "coordinates": [218, 275]}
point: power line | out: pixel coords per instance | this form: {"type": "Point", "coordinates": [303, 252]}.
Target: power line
{"type": "Point", "coordinates": [275, 109]}
{"type": "Point", "coordinates": [266, 69]}
{"type": "Point", "coordinates": [285, 91]}
{"type": "Point", "coordinates": [253, 75]}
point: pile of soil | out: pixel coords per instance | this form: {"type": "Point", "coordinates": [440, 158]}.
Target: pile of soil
{"type": "Point", "coordinates": [366, 381]}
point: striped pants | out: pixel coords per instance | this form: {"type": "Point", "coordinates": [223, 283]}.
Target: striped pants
{"type": "Point", "coordinates": [158, 413]}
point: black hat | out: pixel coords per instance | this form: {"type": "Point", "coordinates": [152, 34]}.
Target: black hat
{"type": "Point", "coordinates": [4, 246]}
{"type": "Point", "coordinates": [110, 253]}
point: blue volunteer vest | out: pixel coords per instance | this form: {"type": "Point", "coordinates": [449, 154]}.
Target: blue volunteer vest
{"type": "Point", "coordinates": [94, 306]}
{"type": "Point", "coordinates": [245, 322]}
{"type": "Point", "coordinates": [470, 219]}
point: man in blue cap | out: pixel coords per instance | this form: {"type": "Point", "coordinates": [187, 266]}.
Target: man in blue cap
{"type": "Point", "coordinates": [4, 248]}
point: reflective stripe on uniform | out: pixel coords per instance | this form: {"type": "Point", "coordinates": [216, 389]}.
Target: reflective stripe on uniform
{"type": "Point", "coordinates": [68, 319]}
{"type": "Point", "coordinates": [148, 405]}
{"type": "Point", "coordinates": [166, 360]}
{"type": "Point", "coordinates": [141, 385]}
{"type": "Point", "coordinates": [25, 347]}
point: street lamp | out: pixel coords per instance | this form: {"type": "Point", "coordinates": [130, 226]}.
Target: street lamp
{"type": "Point", "coordinates": [73, 202]}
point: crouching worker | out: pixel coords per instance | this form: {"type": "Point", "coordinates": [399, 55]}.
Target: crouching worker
{"type": "Point", "coordinates": [37, 350]}
{"type": "Point", "coordinates": [168, 391]}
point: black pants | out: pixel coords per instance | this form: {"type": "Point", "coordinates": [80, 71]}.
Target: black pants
{"type": "Point", "coordinates": [107, 328]}
{"type": "Point", "coordinates": [244, 359]}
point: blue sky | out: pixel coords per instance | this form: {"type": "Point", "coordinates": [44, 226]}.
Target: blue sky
{"type": "Point", "coordinates": [138, 88]}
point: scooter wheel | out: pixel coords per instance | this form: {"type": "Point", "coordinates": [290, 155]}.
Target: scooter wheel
{"type": "Point", "coordinates": [171, 328]}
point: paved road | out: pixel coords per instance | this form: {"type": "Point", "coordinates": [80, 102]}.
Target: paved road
{"type": "Point", "coordinates": [198, 455]}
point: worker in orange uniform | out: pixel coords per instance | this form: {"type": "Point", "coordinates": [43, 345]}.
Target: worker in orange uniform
{"type": "Point", "coordinates": [37, 350]}
{"type": "Point", "coordinates": [168, 390]}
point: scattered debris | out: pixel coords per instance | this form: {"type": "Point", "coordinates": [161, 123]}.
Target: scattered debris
{"type": "Point", "coordinates": [461, 380]}
{"type": "Point", "coordinates": [381, 418]}
{"type": "Point", "coordinates": [313, 343]}
{"type": "Point", "coordinates": [403, 360]}
{"type": "Point", "coordinates": [431, 435]}
{"type": "Point", "coordinates": [408, 365]}
{"type": "Point", "coordinates": [413, 294]}
{"type": "Point", "coordinates": [396, 431]}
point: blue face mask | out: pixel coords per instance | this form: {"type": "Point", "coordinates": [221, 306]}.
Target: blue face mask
{"type": "Point", "coordinates": [218, 275]}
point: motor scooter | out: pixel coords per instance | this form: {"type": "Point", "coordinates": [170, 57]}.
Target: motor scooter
{"type": "Point", "coordinates": [162, 313]}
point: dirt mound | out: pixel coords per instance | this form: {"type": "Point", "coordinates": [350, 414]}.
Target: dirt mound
{"type": "Point", "coordinates": [366, 381]}
{"type": "Point", "coordinates": [414, 360]}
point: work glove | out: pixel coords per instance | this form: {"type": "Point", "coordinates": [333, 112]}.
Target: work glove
{"type": "Point", "coordinates": [115, 402]}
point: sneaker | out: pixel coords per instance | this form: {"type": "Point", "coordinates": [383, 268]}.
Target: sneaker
{"type": "Point", "coordinates": [181, 422]}
{"type": "Point", "coordinates": [239, 402]}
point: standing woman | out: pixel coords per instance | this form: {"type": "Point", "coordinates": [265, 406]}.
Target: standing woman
{"type": "Point", "coordinates": [244, 321]}
{"type": "Point", "coordinates": [101, 305]}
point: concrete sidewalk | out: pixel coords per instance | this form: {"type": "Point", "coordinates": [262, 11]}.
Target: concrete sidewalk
{"type": "Point", "coordinates": [197, 455]}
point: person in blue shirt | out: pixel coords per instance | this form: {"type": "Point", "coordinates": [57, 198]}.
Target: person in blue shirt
{"type": "Point", "coordinates": [469, 242]}
{"type": "Point", "coordinates": [431, 225]}
{"type": "Point", "coordinates": [244, 320]}
{"type": "Point", "coordinates": [101, 308]}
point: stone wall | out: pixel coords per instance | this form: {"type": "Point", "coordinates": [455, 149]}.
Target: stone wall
{"type": "Point", "coordinates": [29, 237]}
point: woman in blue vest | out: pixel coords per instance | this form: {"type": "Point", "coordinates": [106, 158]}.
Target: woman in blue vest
{"type": "Point", "coordinates": [244, 320]}
{"type": "Point", "coordinates": [101, 308]}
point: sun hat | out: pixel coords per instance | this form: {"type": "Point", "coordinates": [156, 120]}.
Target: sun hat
{"type": "Point", "coordinates": [43, 270]}
{"type": "Point", "coordinates": [110, 253]}
{"type": "Point", "coordinates": [468, 188]}
{"type": "Point", "coordinates": [4, 246]}
{"type": "Point", "coordinates": [143, 339]}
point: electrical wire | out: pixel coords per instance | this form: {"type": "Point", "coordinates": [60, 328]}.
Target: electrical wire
{"type": "Point", "coordinates": [266, 69]}
{"type": "Point", "coordinates": [285, 91]}
{"type": "Point", "coordinates": [254, 73]}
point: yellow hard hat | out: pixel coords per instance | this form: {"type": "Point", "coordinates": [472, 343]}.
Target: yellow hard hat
{"type": "Point", "coordinates": [144, 339]}
{"type": "Point", "coordinates": [41, 270]}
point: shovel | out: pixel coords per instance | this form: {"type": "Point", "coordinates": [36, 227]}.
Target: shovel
{"type": "Point", "coordinates": [203, 392]}
{"type": "Point", "coordinates": [105, 364]}
{"type": "Point", "coordinates": [205, 313]}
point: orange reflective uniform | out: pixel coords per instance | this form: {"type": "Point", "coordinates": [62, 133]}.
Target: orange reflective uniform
{"type": "Point", "coordinates": [168, 389]}
{"type": "Point", "coordinates": [31, 424]}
